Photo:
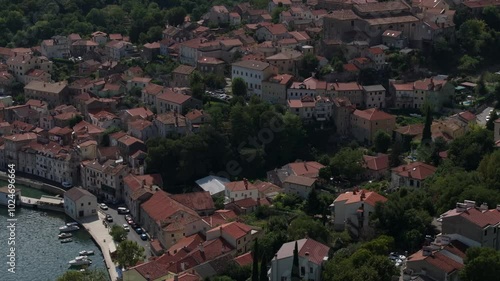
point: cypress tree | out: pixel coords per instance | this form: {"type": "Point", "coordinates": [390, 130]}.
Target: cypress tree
{"type": "Point", "coordinates": [263, 269]}
{"type": "Point", "coordinates": [255, 266]}
{"type": "Point", "coordinates": [427, 134]}
{"type": "Point", "coordinates": [295, 266]}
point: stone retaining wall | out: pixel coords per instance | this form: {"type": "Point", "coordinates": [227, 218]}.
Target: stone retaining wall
{"type": "Point", "coordinates": [35, 184]}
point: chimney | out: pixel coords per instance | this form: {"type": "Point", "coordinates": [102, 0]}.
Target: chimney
{"type": "Point", "coordinates": [498, 207]}
{"type": "Point", "coordinates": [426, 251]}
{"type": "Point", "coordinates": [362, 196]}
{"type": "Point", "coordinates": [176, 277]}
{"type": "Point", "coordinates": [143, 183]}
{"type": "Point", "coordinates": [201, 248]}
{"type": "Point", "coordinates": [404, 168]}
{"type": "Point", "coordinates": [484, 207]}
{"type": "Point", "coordinates": [245, 181]}
{"type": "Point", "coordinates": [461, 207]}
{"type": "Point", "coordinates": [354, 191]}
{"type": "Point", "coordinates": [220, 230]}
{"type": "Point", "coordinates": [183, 266]}
{"type": "Point", "coordinates": [469, 203]}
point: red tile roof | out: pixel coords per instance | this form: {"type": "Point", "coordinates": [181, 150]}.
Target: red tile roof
{"type": "Point", "coordinates": [415, 170]}
{"type": "Point", "coordinates": [198, 201]}
{"type": "Point", "coordinates": [411, 130]}
{"type": "Point", "coordinates": [187, 244]}
{"type": "Point", "coordinates": [350, 67]}
{"type": "Point", "coordinates": [481, 218]}
{"type": "Point", "coordinates": [376, 163]}
{"type": "Point", "coordinates": [467, 115]}
{"type": "Point", "coordinates": [376, 51]}
{"type": "Point", "coordinates": [306, 169]}
{"type": "Point", "coordinates": [174, 97]}
{"type": "Point", "coordinates": [369, 197]}
{"type": "Point", "coordinates": [239, 186]}
{"type": "Point", "coordinates": [373, 114]}
{"type": "Point", "coordinates": [161, 206]}
{"type": "Point", "coordinates": [307, 247]}
{"type": "Point", "coordinates": [233, 229]}
{"type": "Point", "coordinates": [350, 86]}
{"type": "Point", "coordinates": [245, 259]}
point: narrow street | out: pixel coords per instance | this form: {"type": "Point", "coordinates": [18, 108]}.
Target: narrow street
{"type": "Point", "coordinates": [132, 235]}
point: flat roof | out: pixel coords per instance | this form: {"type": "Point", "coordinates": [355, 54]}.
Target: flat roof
{"type": "Point", "coordinates": [51, 200]}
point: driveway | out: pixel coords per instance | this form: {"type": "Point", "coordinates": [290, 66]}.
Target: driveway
{"type": "Point", "coordinates": [132, 235]}
{"type": "Point", "coordinates": [481, 117]}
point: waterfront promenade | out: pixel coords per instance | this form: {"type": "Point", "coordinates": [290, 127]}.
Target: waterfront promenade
{"type": "Point", "coordinates": [101, 235]}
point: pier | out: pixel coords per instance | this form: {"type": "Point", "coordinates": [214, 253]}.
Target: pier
{"type": "Point", "coordinates": [94, 225]}
{"type": "Point", "coordinates": [46, 202]}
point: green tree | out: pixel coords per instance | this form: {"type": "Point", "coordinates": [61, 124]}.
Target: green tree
{"type": "Point", "coordinates": [313, 205]}
{"type": "Point", "coordinates": [88, 275]}
{"type": "Point", "coordinates": [481, 89]}
{"type": "Point", "coordinates": [239, 87]}
{"type": "Point", "coordinates": [468, 64]}
{"type": "Point", "coordinates": [304, 225]}
{"type": "Point", "coordinates": [255, 264]}
{"type": "Point", "coordinates": [427, 134]}
{"type": "Point", "coordinates": [467, 151]}
{"type": "Point", "coordinates": [490, 124]}
{"type": "Point", "coordinates": [382, 141]}
{"type": "Point", "coordinates": [481, 264]}
{"type": "Point", "coordinates": [308, 65]}
{"type": "Point", "coordinates": [489, 170]}
{"type": "Point", "coordinates": [295, 265]}
{"type": "Point", "coordinates": [75, 120]}
{"type": "Point", "coordinates": [263, 269]}
{"type": "Point", "coordinates": [347, 163]}
{"type": "Point", "coordinates": [176, 16]}
{"type": "Point", "coordinates": [129, 253]}
{"type": "Point", "coordinates": [118, 233]}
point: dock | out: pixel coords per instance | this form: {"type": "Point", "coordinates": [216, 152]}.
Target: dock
{"type": "Point", "coordinates": [95, 227]}
{"type": "Point", "coordinates": [46, 202]}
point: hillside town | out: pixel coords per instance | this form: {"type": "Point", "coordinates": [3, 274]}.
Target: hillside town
{"type": "Point", "coordinates": [285, 140]}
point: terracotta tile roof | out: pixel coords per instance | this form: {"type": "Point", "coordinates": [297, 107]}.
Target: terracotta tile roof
{"type": "Point", "coordinates": [184, 69]}
{"type": "Point", "coordinates": [376, 163]}
{"type": "Point", "coordinates": [349, 86]}
{"type": "Point", "coordinates": [143, 112]}
{"type": "Point", "coordinates": [174, 97]}
{"type": "Point", "coordinates": [282, 79]}
{"type": "Point", "coordinates": [467, 115]}
{"type": "Point", "coordinates": [416, 170]}
{"type": "Point", "coordinates": [310, 83]}
{"type": "Point", "coordinates": [307, 247]}
{"type": "Point", "coordinates": [185, 277]}
{"type": "Point", "coordinates": [153, 89]}
{"type": "Point", "coordinates": [76, 193]}
{"type": "Point", "coordinates": [233, 229]}
{"type": "Point", "coordinates": [411, 130]}
{"type": "Point", "coordinates": [220, 217]}
{"type": "Point", "coordinates": [198, 201]}
{"type": "Point", "coordinates": [239, 186]}
{"type": "Point", "coordinates": [403, 87]}
{"type": "Point", "coordinates": [245, 203]}
{"type": "Point", "coordinates": [129, 140]}
{"type": "Point", "coordinates": [369, 197]}
{"type": "Point", "coordinates": [160, 207]}
{"type": "Point", "coordinates": [481, 218]}
{"type": "Point", "coordinates": [21, 137]}
{"type": "Point", "coordinates": [168, 118]}
{"type": "Point", "coordinates": [300, 180]}
{"type": "Point", "coordinates": [373, 114]}
{"type": "Point", "coordinates": [350, 67]}
{"type": "Point", "coordinates": [158, 267]}
{"type": "Point", "coordinates": [267, 187]}
{"type": "Point", "coordinates": [187, 244]}
{"type": "Point", "coordinates": [306, 169]}
{"type": "Point", "coordinates": [139, 124]}
{"type": "Point", "coordinates": [376, 51]}
{"type": "Point", "coordinates": [438, 260]}
{"type": "Point", "coordinates": [194, 114]}
{"type": "Point", "coordinates": [244, 260]}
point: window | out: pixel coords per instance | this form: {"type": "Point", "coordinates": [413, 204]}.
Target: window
{"type": "Point", "coordinates": [239, 242]}
{"type": "Point", "coordinates": [302, 271]}
{"type": "Point", "coordinates": [311, 269]}
{"type": "Point", "coordinates": [82, 204]}
{"type": "Point", "coordinates": [172, 235]}
{"type": "Point", "coordinates": [89, 203]}
{"type": "Point", "coordinates": [485, 232]}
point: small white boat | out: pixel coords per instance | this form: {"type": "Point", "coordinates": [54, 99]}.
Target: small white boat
{"type": "Point", "coordinates": [67, 240]}
{"type": "Point", "coordinates": [80, 261]}
{"type": "Point", "coordinates": [86, 253]}
{"type": "Point", "coordinates": [68, 228]}
{"type": "Point", "coordinates": [65, 235]}
{"type": "Point", "coordinates": [72, 223]}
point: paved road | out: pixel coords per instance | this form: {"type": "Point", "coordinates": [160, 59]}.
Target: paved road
{"type": "Point", "coordinates": [132, 235]}
{"type": "Point", "coordinates": [481, 117]}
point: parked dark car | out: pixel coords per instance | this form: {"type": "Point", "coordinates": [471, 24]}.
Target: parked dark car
{"type": "Point", "coordinates": [109, 218]}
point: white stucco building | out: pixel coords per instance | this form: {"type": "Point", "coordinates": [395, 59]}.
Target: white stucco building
{"type": "Point", "coordinates": [79, 203]}
{"type": "Point", "coordinates": [312, 256]}
{"type": "Point", "coordinates": [238, 190]}
{"type": "Point", "coordinates": [253, 73]}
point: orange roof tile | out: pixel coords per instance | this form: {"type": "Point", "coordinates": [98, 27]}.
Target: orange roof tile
{"type": "Point", "coordinates": [416, 170]}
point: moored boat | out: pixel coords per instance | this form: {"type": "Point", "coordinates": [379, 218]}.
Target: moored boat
{"type": "Point", "coordinates": [74, 223]}
{"type": "Point", "coordinates": [65, 235]}
{"type": "Point", "coordinates": [67, 240]}
{"type": "Point", "coordinates": [86, 253]}
{"type": "Point", "coordinates": [80, 261]}
{"type": "Point", "coordinates": [68, 228]}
